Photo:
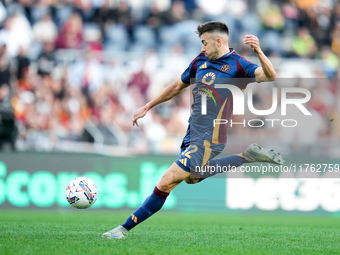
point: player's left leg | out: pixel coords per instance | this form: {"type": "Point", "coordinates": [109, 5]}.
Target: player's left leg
{"type": "Point", "coordinates": [171, 178]}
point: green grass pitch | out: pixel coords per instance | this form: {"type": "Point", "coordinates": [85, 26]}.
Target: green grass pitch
{"type": "Point", "coordinates": [79, 232]}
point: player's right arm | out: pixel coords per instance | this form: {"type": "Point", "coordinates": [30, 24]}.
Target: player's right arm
{"type": "Point", "coordinates": [169, 92]}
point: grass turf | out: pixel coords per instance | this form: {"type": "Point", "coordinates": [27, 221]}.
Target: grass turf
{"type": "Point", "coordinates": [79, 232]}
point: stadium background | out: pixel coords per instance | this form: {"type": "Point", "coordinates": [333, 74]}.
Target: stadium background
{"type": "Point", "coordinates": [73, 72]}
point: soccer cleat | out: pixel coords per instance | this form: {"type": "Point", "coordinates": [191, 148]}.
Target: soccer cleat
{"type": "Point", "coordinates": [117, 233]}
{"type": "Point", "coordinates": [256, 153]}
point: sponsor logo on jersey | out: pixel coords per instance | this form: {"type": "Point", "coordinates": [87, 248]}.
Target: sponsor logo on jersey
{"type": "Point", "coordinates": [209, 78]}
{"type": "Point", "coordinates": [209, 93]}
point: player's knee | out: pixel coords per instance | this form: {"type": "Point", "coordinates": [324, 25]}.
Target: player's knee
{"type": "Point", "coordinates": [166, 182]}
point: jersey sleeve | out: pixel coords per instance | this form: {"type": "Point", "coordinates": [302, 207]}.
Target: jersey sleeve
{"type": "Point", "coordinates": [190, 72]}
{"type": "Point", "coordinates": [247, 69]}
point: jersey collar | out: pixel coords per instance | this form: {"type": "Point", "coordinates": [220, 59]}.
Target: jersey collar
{"type": "Point", "coordinates": [231, 51]}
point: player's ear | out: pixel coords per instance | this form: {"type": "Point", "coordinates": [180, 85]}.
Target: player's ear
{"type": "Point", "coordinates": [219, 41]}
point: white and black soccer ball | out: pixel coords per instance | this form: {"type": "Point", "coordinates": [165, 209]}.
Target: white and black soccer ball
{"type": "Point", "coordinates": [81, 192]}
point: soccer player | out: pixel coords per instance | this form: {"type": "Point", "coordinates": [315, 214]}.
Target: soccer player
{"type": "Point", "coordinates": [203, 140]}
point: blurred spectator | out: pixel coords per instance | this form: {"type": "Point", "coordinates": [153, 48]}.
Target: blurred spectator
{"type": "Point", "coordinates": [21, 71]}
{"type": "Point", "coordinates": [155, 19]}
{"type": "Point", "coordinates": [3, 13]}
{"type": "Point", "coordinates": [212, 8]}
{"type": "Point", "coordinates": [304, 4]}
{"type": "Point", "coordinates": [335, 35]}
{"type": "Point", "coordinates": [86, 8]}
{"type": "Point", "coordinates": [190, 5]}
{"type": "Point", "coordinates": [71, 34]}
{"type": "Point", "coordinates": [273, 23]}
{"type": "Point", "coordinates": [8, 130]}
{"type": "Point", "coordinates": [330, 62]}
{"type": "Point", "coordinates": [105, 14]}
{"type": "Point", "coordinates": [320, 21]}
{"type": "Point", "coordinates": [5, 75]}
{"type": "Point", "coordinates": [45, 30]}
{"type": "Point", "coordinates": [46, 60]}
{"type": "Point", "coordinates": [304, 44]}
{"type": "Point", "coordinates": [22, 64]}
{"type": "Point", "coordinates": [291, 15]}
{"type": "Point", "coordinates": [177, 13]}
{"type": "Point", "coordinates": [87, 75]}
{"type": "Point", "coordinates": [123, 16]}
{"type": "Point", "coordinates": [17, 33]}
{"type": "Point", "coordinates": [92, 37]}
{"type": "Point", "coordinates": [272, 18]}
{"type": "Point", "coordinates": [141, 81]}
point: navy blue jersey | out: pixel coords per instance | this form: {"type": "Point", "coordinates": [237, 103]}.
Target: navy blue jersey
{"type": "Point", "coordinates": [205, 74]}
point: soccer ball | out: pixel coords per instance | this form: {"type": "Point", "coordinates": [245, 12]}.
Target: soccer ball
{"type": "Point", "coordinates": [81, 192]}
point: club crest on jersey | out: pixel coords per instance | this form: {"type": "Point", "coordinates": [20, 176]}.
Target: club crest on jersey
{"type": "Point", "coordinates": [209, 78]}
{"type": "Point", "coordinates": [225, 68]}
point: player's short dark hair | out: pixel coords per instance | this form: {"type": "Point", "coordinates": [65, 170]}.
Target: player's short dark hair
{"type": "Point", "coordinates": [212, 26]}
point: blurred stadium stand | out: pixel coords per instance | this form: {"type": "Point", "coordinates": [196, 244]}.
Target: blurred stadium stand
{"type": "Point", "coordinates": [77, 70]}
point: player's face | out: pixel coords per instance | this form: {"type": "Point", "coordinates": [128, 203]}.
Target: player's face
{"type": "Point", "coordinates": [209, 46]}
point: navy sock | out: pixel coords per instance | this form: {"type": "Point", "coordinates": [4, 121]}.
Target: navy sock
{"type": "Point", "coordinates": [150, 206]}
{"type": "Point", "coordinates": [229, 162]}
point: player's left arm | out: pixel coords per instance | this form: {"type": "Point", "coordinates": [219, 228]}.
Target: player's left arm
{"type": "Point", "coordinates": [266, 72]}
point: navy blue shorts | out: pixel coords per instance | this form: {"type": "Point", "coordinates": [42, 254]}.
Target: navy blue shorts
{"type": "Point", "coordinates": [196, 152]}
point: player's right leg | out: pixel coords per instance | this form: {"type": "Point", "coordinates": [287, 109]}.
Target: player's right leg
{"type": "Point", "coordinates": [254, 153]}
{"type": "Point", "coordinates": [171, 178]}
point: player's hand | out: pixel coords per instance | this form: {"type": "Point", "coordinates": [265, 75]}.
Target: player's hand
{"type": "Point", "coordinates": [140, 113]}
{"type": "Point", "coordinates": [252, 41]}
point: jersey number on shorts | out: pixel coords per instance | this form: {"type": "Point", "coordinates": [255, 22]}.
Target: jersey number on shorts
{"type": "Point", "coordinates": [190, 149]}
{"type": "Point", "coordinates": [186, 154]}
